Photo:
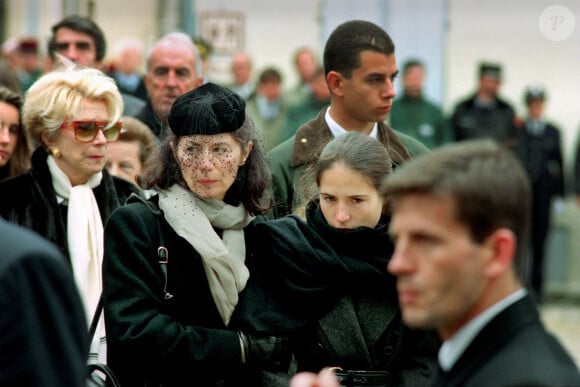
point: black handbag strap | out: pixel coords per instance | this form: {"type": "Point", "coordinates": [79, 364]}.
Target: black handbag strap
{"type": "Point", "coordinates": [163, 255]}
{"type": "Point", "coordinates": [95, 320]}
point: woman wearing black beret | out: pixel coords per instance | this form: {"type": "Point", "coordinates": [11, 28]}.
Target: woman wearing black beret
{"type": "Point", "coordinates": [175, 264]}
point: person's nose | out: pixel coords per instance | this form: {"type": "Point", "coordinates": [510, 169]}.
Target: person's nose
{"type": "Point", "coordinates": [113, 169]}
{"type": "Point", "coordinates": [400, 262]}
{"type": "Point", "coordinates": [4, 134]}
{"type": "Point", "coordinates": [171, 80]}
{"type": "Point", "coordinates": [206, 161]}
{"type": "Point", "coordinates": [389, 91]}
{"type": "Point", "coordinates": [100, 138]}
{"type": "Point", "coordinates": [342, 214]}
{"type": "Point", "coordinates": [70, 52]}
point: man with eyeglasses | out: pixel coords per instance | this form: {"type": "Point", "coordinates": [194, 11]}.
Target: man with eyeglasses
{"type": "Point", "coordinates": [82, 41]}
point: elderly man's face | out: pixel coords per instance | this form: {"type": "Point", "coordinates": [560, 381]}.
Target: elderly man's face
{"type": "Point", "coordinates": [171, 73]}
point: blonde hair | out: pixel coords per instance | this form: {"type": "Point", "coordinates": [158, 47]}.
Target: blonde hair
{"type": "Point", "coordinates": [57, 96]}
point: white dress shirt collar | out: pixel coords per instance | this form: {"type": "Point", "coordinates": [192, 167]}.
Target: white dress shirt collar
{"type": "Point", "coordinates": [337, 130]}
{"type": "Point", "coordinates": [453, 348]}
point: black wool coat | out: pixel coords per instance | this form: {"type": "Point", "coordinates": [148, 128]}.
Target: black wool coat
{"type": "Point", "coordinates": [30, 200]}
{"type": "Point", "coordinates": [330, 292]}
{"type": "Point", "coordinates": [153, 340]}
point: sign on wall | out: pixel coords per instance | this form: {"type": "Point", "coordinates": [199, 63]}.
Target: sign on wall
{"type": "Point", "coordinates": [225, 30]}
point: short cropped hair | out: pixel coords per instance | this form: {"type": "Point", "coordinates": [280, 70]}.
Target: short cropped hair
{"type": "Point", "coordinates": [412, 63]}
{"type": "Point", "coordinates": [345, 44]}
{"type": "Point", "coordinates": [57, 96]}
{"type": "Point", "coordinates": [180, 38]}
{"type": "Point", "coordinates": [488, 184]}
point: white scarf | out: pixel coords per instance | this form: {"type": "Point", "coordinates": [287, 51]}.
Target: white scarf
{"type": "Point", "coordinates": [85, 244]}
{"type": "Point", "coordinates": [223, 258]}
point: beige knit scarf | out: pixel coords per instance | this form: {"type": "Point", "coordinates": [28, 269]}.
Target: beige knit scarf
{"type": "Point", "coordinates": [223, 258]}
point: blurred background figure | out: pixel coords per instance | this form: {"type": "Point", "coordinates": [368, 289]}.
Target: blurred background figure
{"type": "Point", "coordinates": [15, 148]}
{"type": "Point", "coordinates": [541, 153]}
{"type": "Point", "coordinates": [173, 68]}
{"type": "Point", "coordinates": [10, 52]}
{"type": "Point", "coordinates": [485, 114]}
{"type": "Point", "coordinates": [129, 55]}
{"type": "Point", "coordinates": [267, 108]}
{"type": "Point", "coordinates": [126, 156]}
{"type": "Point", "coordinates": [81, 40]}
{"type": "Point", "coordinates": [30, 68]}
{"type": "Point", "coordinates": [205, 49]}
{"type": "Point", "coordinates": [414, 114]}
{"type": "Point", "coordinates": [306, 108]}
{"type": "Point", "coordinates": [305, 63]}
{"type": "Point", "coordinates": [242, 82]}
{"type": "Point", "coordinates": [8, 77]}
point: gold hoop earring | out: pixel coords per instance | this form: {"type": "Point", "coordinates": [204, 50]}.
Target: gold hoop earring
{"type": "Point", "coordinates": [56, 153]}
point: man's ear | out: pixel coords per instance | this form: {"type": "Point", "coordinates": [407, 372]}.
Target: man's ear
{"type": "Point", "coordinates": [501, 245]}
{"type": "Point", "coordinates": [335, 82]}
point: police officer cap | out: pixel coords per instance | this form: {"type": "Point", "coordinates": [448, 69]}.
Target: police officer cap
{"type": "Point", "coordinates": [208, 109]}
{"type": "Point", "coordinates": [490, 70]}
{"type": "Point", "coordinates": [534, 92]}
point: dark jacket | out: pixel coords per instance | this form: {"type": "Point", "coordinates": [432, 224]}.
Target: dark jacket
{"type": "Point", "coordinates": [30, 200]}
{"type": "Point", "coordinates": [541, 155]}
{"type": "Point", "coordinates": [513, 349]}
{"type": "Point", "coordinates": [44, 340]}
{"type": "Point", "coordinates": [288, 160]}
{"type": "Point", "coordinates": [470, 121]}
{"type": "Point", "coordinates": [170, 342]}
{"type": "Point", "coordinates": [329, 290]}
{"type": "Point", "coordinates": [149, 118]}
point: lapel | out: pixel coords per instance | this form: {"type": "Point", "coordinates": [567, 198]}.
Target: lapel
{"type": "Point", "coordinates": [492, 338]}
{"type": "Point", "coordinates": [309, 140]}
{"type": "Point", "coordinates": [353, 335]}
{"type": "Point", "coordinates": [342, 330]}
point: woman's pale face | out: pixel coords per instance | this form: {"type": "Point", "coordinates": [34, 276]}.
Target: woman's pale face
{"type": "Point", "coordinates": [348, 199]}
{"type": "Point", "coordinates": [209, 163]}
{"type": "Point", "coordinates": [79, 160]}
{"type": "Point", "coordinates": [123, 159]}
{"type": "Point", "coordinates": [9, 129]}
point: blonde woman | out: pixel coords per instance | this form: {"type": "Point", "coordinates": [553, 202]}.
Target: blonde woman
{"type": "Point", "coordinates": [67, 196]}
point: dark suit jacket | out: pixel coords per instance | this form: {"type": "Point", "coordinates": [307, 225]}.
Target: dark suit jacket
{"type": "Point", "coordinates": [44, 332]}
{"type": "Point", "coordinates": [513, 349]}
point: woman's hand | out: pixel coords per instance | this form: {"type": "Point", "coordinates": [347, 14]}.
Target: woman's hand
{"type": "Point", "coordinates": [325, 378]}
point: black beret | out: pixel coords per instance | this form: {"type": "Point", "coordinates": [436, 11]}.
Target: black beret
{"type": "Point", "coordinates": [208, 109]}
{"type": "Point", "coordinates": [490, 70]}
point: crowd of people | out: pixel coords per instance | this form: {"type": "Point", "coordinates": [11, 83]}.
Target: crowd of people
{"type": "Point", "coordinates": [244, 234]}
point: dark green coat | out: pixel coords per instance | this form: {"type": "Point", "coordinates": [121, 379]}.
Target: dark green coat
{"type": "Point", "coordinates": [288, 159]}
{"type": "Point", "coordinates": [172, 342]}
{"type": "Point", "coordinates": [420, 119]}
